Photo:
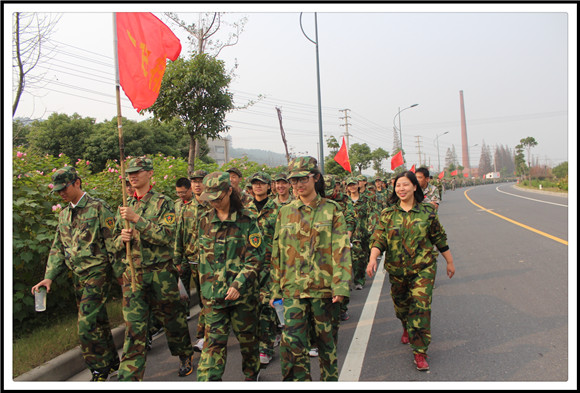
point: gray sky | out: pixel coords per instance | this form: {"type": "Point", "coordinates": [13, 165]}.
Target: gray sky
{"type": "Point", "coordinates": [512, 63]}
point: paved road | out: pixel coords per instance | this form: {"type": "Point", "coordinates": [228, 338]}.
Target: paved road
{"type": "Point", "coordinates": [502, 318]}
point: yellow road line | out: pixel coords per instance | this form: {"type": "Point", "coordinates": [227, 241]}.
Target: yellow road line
{"type": "Point", "coordinates": [515, 222]}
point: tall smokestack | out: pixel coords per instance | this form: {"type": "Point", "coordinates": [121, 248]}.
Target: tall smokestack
{"type": "Point", "coordinates": [465, 146]}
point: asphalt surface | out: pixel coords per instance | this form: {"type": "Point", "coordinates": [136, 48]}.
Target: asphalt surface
{"type": "Point", "coordinates": [503, 321]}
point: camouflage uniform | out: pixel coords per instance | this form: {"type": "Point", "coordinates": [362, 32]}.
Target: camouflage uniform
{"type": "Point", "coordinates": [431, 194]}
{"type": "Point", "coordinates": [282, 176]}
{"type": "Point", "coordinates": [366, 218]}
{"type": "Point", "coordinates": [311, 264]}
{"type": "Point", "coordinates": [410, 259]}
{"type": "Point", "coordinates": [230, 255]}
{"type": "Point", "coordinates": [266, 218]}
{"type": "Point", "coordinates": [348, 210]}
{"type": "Point", "coordinates": [155, 278]}
{"type": "Point", "coordinates": [83, 243]}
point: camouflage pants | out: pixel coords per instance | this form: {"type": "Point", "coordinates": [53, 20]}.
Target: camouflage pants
{"type": "Point", "coordinates": [97, 345]}
{"type": "Point", "coordinates": [201, 318]}
{"type": "Point", "coordinates": [156, 292]}
{"type": "Point", "coordinates": [242, 318]}
{"type": "Point", "coordinates": [360, 254]}
{"type": "Point", "coordinates": [268, 328]}
{"type": "Point", "coordinates": [412, 299]}
{"type": "Point", "coordinates": [299, 314]}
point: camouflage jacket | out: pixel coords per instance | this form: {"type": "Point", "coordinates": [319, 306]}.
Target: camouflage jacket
{"type": "Point", "coordinates": [230, 255]}
{"type": "Point", "coordinates": [277, 200]}
{"type": "Point", "coordinates": [381, 197]}
{"type": "Point", "coordinates": [408, 238]}
{"type": "Point", "coordinates": [83, 239]}
{"type": "Point", "coordinates": [186, 232]}
{"type": "Point", "coordinates": [267, 224]}
{"type": "Point", "coordinates": [178, 205]}
{"type": "Point", "coordinates": [347, 209]}
{"type": "Point", "coordinates": [366, 217]}
{"type": "Point", "coordinates": [153, 234]}
{"type": "Point", "coordinates": [311, 251]}
{"type": "Point", "coordinates": [431, 194]}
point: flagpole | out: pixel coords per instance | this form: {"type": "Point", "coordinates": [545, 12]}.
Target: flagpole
{"type": "Point", "coordinates": [122, 147]}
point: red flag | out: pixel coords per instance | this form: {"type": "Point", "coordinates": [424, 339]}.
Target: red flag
{"type": "Point", "coordinates": [397, 160]}
{"type": "Point", "coordinates": [342, 157]}
{"type": "Point", "coordinates": [412, 168]}
{"type": "Point", "coordinates": [454, 173]}
{"type": "Point", "coordinates": [465, 175]}
{"type": "Point", "coordinates": [143, 44]}
{"type": "Point", "coordinates": [441, 175]}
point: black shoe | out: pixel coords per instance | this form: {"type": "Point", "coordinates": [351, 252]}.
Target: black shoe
{"type": "Point", "coordinates": [185, 365]}
{"type": "Point", "coordinates": [114, 369]}
{"type": "Point", "coordinates": [99, 377]}
{"type": "Point", "coordinates": [344, 316]}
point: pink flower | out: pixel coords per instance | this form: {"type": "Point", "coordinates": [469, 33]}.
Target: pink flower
{"type": "Point", "coordinates": [88, 163]}
{"type": "Point", "coordinates": [170, 166]}
{"type": "Point", "coordinates": [120, 176]}
{"type": "Point", "coordinates": [165, 177]}
{"type": "Point", "coordinates": [19, 154]}
{"type": "Point", "coordinates": [50, 186]}
{"type": "Point", "coordinates": [19, 176]}
{"type": "Point", "coordinates": [54, 169]}
{"type": "Point", "coordinates": [65, 164]}
{"type": "Point", "coordinates": [56, 207]}
{"type": "Point", "coordinates": [60, 155]}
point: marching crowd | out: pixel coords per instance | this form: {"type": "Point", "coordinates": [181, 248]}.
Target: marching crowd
{"type": "Point", "coordinates": [299, 236]}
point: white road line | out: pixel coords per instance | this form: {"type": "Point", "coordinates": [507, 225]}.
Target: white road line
{"type": "Point", "coordinates": [531, 199]}
{"type": "Point", "coordinates": [353, 362]}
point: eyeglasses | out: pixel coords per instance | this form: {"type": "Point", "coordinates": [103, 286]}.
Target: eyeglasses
{"type": "Point", "coordinates": [301, 180]}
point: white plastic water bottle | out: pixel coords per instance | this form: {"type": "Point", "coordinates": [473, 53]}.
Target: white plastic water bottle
{"type": "Point", "coordinates": [279, 306]}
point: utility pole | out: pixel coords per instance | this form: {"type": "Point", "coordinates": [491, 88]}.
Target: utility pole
{"type": "Point", "coordinates": [419, 147]}
{"type": "Point", "coordinates": [346, 124]}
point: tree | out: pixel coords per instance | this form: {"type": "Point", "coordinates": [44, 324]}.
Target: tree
{"type": "Point", "coordinates": [520, 161]}
{"type": "Point", "coordinates": [451, 158]}
{"type": "Point", "coordinates": [561, 170]}
{"type": "Point", "coordinates": [377, 156]}
{"type": "Point", "coordinates": [485, 163]}
{"type": "Point", "coordinates": [208, 25]}
{"type": "Point", "coordinates": [396, 141]}
{"type": "Point", "coordinates": [360, 156]}
{"type": "Point", "coordinates": [195, 92]}
{"type": "Point", "coordinates": [528, 143]}
{"type": "Point", "coordinates": [30, 32]}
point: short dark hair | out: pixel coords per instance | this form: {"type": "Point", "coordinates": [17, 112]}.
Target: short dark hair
{"type": "Point", "coordinates": [418, 194]}
{"type": "Point", "coordinates": [424, 171]}
{"type": "Point", "coordinates": [183, 182]}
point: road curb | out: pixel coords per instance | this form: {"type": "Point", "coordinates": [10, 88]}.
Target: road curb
{"type": "Point", "coordinates": [560, 194]}
{"type": "Point", "coordinates": [70, 363]}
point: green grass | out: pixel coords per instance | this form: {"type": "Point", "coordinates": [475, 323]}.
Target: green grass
{"type": "Point", "coordinates": [46, 343]}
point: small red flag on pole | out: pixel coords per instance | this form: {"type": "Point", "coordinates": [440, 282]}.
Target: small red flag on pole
{"type": "Point", "coordinates": [143, 45]}
{"type": "Point", "coordinates": [342, 157]}
{"type": "Point", "coordinates": [412, 168]}
{"type": "Point", "coordinates": [465, 175]}
{"type": "Point", "coordinates": [441, 175]}
{"type": "Point", "coordinates": [454, 173]}
{"type": "Point", "coordinates": [397, 160]}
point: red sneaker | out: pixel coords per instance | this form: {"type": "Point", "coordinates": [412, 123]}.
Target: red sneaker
{"type": "Point", "coordinates": [421, 362]}
{"type": "Point", "coordinates": [405, 337]}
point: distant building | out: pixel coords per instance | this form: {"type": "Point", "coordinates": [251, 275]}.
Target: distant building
{"type": "Point", "coordinates": [220, 149]}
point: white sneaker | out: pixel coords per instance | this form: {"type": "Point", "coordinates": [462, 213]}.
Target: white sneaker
{"type": "Point", "coordinates": [313, 352]}
{"type": "Point", "coordinates": [264, 358]}
{"type": "Point", "coordinates": [277, 340]}
{"type": "Point", "coordinates": [198, 345]}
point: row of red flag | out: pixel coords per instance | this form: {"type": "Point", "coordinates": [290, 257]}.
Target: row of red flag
{"type": "Point", "coordinates": [396, 161]}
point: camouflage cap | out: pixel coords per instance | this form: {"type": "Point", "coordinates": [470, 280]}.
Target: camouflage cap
{"type": "Point", "coordinates": [280, 176]}
{"type": "Point", "coordinates": [200, 173]}
{"type": "Point", "coordinates": [235, 170]}
{"type": "Point", "coordinates": [361, 178]}
{"type": "Point", "coordinates": [302, 166]}
{"type": "Point", "coordinates": [261, 176]}
{"type": "Point", "coordinates": [214, 184]}
{"type": "Point", "coordinates": [329, 184]}
{"type": "Point", "coordinates": [378, 178]}
{"type": "Point", "coordinates": [136, 164]}
{"type": "Point", "coordinates": [351, 180]}
{"type": "Point", "coordinates": [62, 177]}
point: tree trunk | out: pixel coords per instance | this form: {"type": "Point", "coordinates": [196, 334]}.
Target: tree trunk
{"type": "Point", "coordinates": [191, 158]}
